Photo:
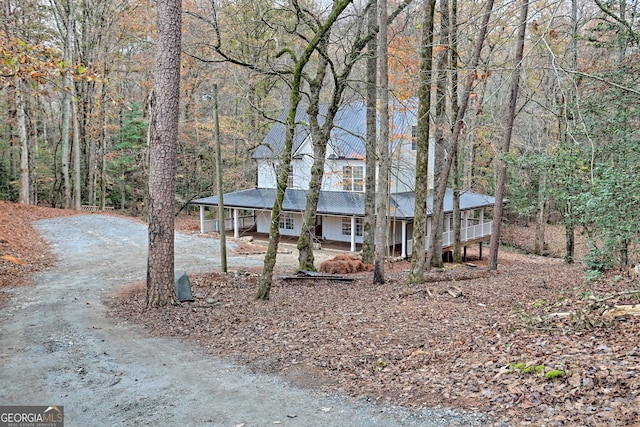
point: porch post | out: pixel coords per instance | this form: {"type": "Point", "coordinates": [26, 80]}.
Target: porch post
{"type": "Point", "coordinates": [236, 231]}
{"type": "Point", "coordinates": [202, 218]}
{"type": "Point", "coordinates": [353, 234]}
{"type": "Point", "coordinates": [403, 253]}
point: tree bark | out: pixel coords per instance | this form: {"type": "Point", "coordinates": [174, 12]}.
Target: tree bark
{"type": "Point", "coordinates": [416, 274]}
{"type": "Point", "coordinates": [369, 223]}
{"type": "Point", "coordinates": [21, 120]}
{"type": "Point", "coordinates": [77, 180]}
{"type": "Point", "coordinates": [319, 140]}
{"type": "Point", "coordinates": [382, 192]}
{"type": "Point", "coordinates": [66, 105]}
{"type": "Point", "coordinates": [441, 125]}
{"type": "Point", "coordinates": [162, 156]}
{"type": "Point", "coordinates": [457, 179]}
{"type": "Point", "coordinates": [542, 213]}
{"type": "Point", "coordinates": [511, 114]}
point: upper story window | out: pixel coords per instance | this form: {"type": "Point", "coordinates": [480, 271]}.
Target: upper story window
{"type": "Point", "coordinates": [289, 178]}
{"type": "Point", "coordinates": [414, 137]}
{"type": "Point", "coordinates": [353, 178]}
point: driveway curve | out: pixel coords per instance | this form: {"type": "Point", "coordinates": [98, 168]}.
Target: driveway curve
{"type": "Point", "coordinates": [58, 346]}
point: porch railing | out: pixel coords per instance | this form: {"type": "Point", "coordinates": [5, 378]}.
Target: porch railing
{"type": "Point", "coordinates": [212, 225]}
{"type": "Point", "coordinates": [467, 234]}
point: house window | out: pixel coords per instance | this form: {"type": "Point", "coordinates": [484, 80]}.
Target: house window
{"type": "Point", "coordinates": [289, 178]}
{"type": "Point", "coordinates": [346, 226]}
{"type": "Point", "coordinates": [353, 178]}
{"type": "Point", "coordinates": [414, 138]}
{"type": "Point", "coordinates": [286, 221]}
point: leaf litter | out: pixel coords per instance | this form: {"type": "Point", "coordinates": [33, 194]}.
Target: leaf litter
{"type": "Point", "coordinates": [467, 338]}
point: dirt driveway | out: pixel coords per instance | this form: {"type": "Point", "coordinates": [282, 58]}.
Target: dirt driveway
{"type": "Point", "coordinates": [59, 347]}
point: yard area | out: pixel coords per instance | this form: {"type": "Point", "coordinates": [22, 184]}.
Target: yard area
{"type": "Point", "coordinates": [468, 338]}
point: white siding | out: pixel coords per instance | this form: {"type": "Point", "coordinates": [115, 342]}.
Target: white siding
{"type": "Point", "coordinates": [267, 173]}
{"type": "Point", "coordinates": [332, 180]}
{"type": "Point", "coordinates": [263, 221]}
{"type": "Point", "coordinates": [263, 224]}
{"type": "Point", "coordinates": [332, 230]}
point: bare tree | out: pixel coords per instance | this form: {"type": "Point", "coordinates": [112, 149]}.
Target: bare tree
{"type": "Point", "coordinates": [266, 279]}
{"type": "Point", "coordinates": [369, 223]}
{"type": "Point", "coordinates": [24, 142]}
{"type": "Point", "coordinates": [162, 156]}
{"type": "Point", "coordinates": [382, 192]}
{"type": "Point", "coordinates": [416, 275]}
{"type": "Point", "coordinates": [320, 134]}
{"type": "Point", "coordinates": [441, 124]}
{"type": "Point", "coordinates": [511, 114]}
{"type": "Point", "coordinates": [453, 144]}
{"type": "Point", "coordinates": [65, 20]}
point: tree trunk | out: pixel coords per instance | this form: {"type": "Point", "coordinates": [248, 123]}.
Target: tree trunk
{"type": "Point", "coordinates": [416, 274]}
{"type": "Point", "coordinates": [542, 214]}
{"type": "Point", "coordinates": [569, 233]}
{"type": "Point", "coordinates": [383, 148]}
{"type": "Point", "coordinates": [464, 103]}
{"type": "Point", "coordinates": [319, 140]}
{"type": "Point", "coordinates": [266, 279]}
{"type": "Point", "coordinates": [77, 180]}
{"type": "Point", "coordinates": [457, 169]}
{"type": "Point", "coordinates": [162, 156]}
{"type": "Point", "coordinates": [66, 105]}
{"type": "Point", "coordinates": [511, 114]}
{"type": "Point", "coordinates": [21, 120]}
{"type": "Point", "coordinates": [369, 224]}
{"type": "Point", "coordinates": [441, 125]}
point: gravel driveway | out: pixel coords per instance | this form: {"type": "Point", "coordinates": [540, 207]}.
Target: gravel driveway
{"type": "Point", "coordinates": [59, 347]}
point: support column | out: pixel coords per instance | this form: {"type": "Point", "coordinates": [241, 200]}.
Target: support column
{"type": "Point", "coordinates": [403, 253]}
{"type": "Point", "coordinates": [353, 234]}
{"type": "Point", "coordinates": [202, 219]}
{"type": "Point", "coordinates": [236, 229]}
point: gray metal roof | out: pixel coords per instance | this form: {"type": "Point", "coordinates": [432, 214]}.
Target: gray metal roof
{"type": "Point", "coordinates": [340, 203]}
{"type": "Point", "coordinates": [349, 131]}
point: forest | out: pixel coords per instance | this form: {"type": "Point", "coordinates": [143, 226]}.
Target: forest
{"type": "Point", "coordinates": [78, 96]}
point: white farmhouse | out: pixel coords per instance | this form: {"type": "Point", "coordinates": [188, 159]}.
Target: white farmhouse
{"type": "Point", "coordinates": [341, 206]}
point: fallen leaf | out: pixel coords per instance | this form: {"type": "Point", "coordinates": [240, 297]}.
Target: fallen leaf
{"type": "Point", "coordinates": [13, 259]}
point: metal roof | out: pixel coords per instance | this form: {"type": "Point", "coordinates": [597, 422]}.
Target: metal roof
{"type": "Point", "coordinates": [340, 203]}
{"type": "Point", "coordinates": [349, 131]}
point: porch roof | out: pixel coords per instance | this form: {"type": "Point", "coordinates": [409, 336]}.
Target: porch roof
{"type": "Point", "coordinates": [341, 203]}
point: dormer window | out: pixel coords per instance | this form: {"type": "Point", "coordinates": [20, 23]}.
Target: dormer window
{"type": "Point", "coordinates": [353, 178]}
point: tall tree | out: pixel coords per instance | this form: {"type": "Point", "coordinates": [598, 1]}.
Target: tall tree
{"type": "Point", "coordinates": [24, 142]}
{"type": "Point", "coordinates": [266, 279]}
{"type": "Point", "coordinates": [459, 123]}
{"type": "Point", "coordinates": [457, 179]}
{"type": "Point", "coordinates": [441, 123]}
{"type": "Point", "coordinates": [511, 114]}
{"type": "Point", "coordinates": [382, 190]}
{"type": "Point", "coordinates": [65, 20]}
{"type": "Point", "coordinates": [416, 274]}
{"type": "Point", "coordinates": [321, 133]}
{"type": "Point", "coordinates": [369, 223]}
{"type": "Point", "coordinates": [162, 156]}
